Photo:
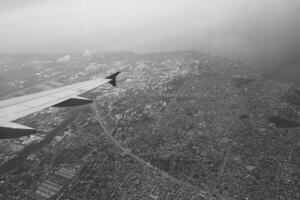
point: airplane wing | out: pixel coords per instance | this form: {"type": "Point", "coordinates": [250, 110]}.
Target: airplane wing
{"type": "Point", "coordinates": [15, 108]}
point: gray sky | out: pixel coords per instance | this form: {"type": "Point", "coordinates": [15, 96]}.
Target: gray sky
{"type": "Point", "coordinates": [255, 31]}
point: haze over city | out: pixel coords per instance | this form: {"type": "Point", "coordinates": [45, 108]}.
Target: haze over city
{"type": "Point", "coordinates": [260, 33]}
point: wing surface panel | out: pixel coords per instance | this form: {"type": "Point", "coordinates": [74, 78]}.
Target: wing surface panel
{"type": "Point", "coordinates": [12, 109]}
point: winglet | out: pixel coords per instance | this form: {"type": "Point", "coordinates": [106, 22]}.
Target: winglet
{"type": "Point", "coordinates": [113, 78]}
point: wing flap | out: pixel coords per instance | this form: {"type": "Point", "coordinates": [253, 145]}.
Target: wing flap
{"type": "Point", "coordinates": [74, 101]}
{"type": "Point", "coordinates": [13, 130]}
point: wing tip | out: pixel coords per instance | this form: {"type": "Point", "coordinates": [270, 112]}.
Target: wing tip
{"type": "Point", "coordinates": [113, 78]}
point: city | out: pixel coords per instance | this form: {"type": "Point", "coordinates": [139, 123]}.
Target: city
{"type": "Point", "coordinates": [179, 125]}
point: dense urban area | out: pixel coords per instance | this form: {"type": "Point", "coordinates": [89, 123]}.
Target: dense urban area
{"type": "Point", "coordinates": [179, 125]}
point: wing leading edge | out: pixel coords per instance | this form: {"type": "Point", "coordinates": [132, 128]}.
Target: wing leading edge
{"type": "Point", "coordinates": [15, 108]}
